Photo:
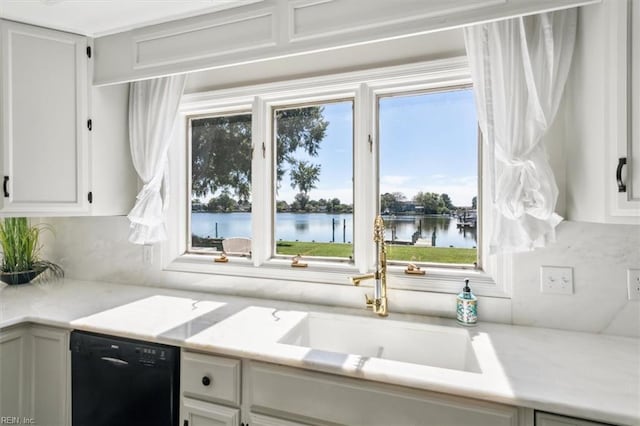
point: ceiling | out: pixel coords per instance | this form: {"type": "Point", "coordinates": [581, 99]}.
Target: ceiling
{"type": "Point", "coordinates": [101, 17]}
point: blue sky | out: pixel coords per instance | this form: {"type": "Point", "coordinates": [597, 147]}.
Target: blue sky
{"type": "Point", "coordinates": [335, 157]}
{"type": "Point", "coordinates": [428, 143]}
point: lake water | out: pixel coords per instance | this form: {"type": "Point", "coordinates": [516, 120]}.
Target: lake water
{"type": "Point", "coordinates": [324, 227]}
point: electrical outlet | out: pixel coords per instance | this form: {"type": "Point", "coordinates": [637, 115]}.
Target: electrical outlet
{"type": "Point", "coordinates": [633, 284]}
{"type": "Point", "coordinates": [147, 254]}
{"type": "Point", "coordinates": [556, 279]}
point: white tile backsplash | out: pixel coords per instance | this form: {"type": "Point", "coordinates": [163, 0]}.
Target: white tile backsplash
{"type": "Point", "coordinates": [600, 256]}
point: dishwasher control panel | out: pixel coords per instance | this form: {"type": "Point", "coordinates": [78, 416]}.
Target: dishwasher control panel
{"type": "Point", "coordinates": [150, 355]}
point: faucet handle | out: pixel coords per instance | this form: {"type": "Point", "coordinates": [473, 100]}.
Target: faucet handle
{"type": "Point", "coordinates": [368, 300]}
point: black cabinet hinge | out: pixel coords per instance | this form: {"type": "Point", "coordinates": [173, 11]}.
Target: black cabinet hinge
{"type": "Point", "coordinates": [88, 51]}
{"type": "Point", "coordinates": [90, 197]}
{"type": "Point", "coordinates": [90, 124]}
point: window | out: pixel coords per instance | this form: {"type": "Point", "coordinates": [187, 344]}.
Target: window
{"type": "Point", "coordinates": [429, 175]}
{"type": "Point", "coordinates": [314, 180]}
{"type": "Point", "coordinates": [303, 167]}
{"type": "Point", "coordinates": [221, 183]}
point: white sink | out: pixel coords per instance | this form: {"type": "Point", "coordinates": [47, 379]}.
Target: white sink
{"type": "Point", "coordinates": [432, 345]}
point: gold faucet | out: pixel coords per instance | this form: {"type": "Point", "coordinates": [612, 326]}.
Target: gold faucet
{"type": "Point", "coordinates": [379, 301]}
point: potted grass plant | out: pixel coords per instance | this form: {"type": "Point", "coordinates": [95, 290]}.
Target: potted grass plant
{"type": "Point", "coordinates": [20, 244]}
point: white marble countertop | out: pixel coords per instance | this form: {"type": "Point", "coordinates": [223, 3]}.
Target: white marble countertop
{"type": "Point", "coordinates": [585, 375]}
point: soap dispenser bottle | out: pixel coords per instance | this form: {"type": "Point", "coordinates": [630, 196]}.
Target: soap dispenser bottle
{"type": "Point", "coordinates": [467, 306]}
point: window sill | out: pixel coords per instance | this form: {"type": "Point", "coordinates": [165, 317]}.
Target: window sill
{"type": "Point", "coordinates": [435, 280]}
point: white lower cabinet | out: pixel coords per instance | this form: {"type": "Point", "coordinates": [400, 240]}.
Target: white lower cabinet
{"type": "Point", "coordinates": [35, 386]}
{"type": "Point", "coordinates": [50, 376]}
{"type": "Point", "coordinates": [200, 413]}
{"type": "Point", "coordinates": [318, 398]}
{"type": "Point", "coordinates": [13, 374]}
{"type": "Point", "coordinates": [35, 375]}
{"type": "Point", "coordinates": [546, 419]}
{"type": "Point", "coordinates": [209, 390]}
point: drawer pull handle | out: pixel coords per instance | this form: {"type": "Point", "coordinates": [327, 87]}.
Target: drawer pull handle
{"type": "Point", "coordinates": [621, 185]}
{"type": "Point", "coordinates": [4, 186]}
{"type": "Point", "coordinates": [206, 380]}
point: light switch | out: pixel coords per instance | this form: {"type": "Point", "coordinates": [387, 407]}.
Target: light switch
{"type": "Point", "coordinates": [556, 279]}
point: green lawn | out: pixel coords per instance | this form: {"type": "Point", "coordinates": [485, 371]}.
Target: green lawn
{"type": "Point", "coordinates": [314, 249]}
{"type": "Point", "coordinates": [407, 253]}
{"type": "Point", "coordinates": [432, 254]}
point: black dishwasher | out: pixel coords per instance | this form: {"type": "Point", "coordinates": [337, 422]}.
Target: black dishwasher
{"type": "Point", "coordinates": [123, 382]}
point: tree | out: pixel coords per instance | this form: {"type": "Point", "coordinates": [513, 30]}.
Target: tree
{"type": "Point", "coordinates": [431, 202]}
{"type": "Point", "coordinates": [222, 148]}
{"type": "Point", "coordinates": [474, 202]}
{"type": "Point", "coordinates": [447, 202]}
{"type": "Point", "coordinates": [282, 206]}
{"type": "Point", "coordinates": [298, 129]}
{"type": "Point", "coordinates": [304, 176]}
{"type": "Point", "coordinates": [334, 205]}
{"type": "Point", "coordinates": [221, 155]}
{"type": "Point", "coordinates": [391, 201]}
{"type": "Point", "coordinates": [301, 200]}
{"type": "Point", "coordinates": [222, 203]}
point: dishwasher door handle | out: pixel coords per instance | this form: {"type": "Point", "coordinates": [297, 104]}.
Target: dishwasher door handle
{"type": "Point", "coordinates": [114, 361]}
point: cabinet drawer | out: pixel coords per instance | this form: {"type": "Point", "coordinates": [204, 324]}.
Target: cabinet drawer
{"type": "Point", "coordinates": [198, 413]}
{"type": "Point", "coordinates": [210, 378]}
{"type": "Point", "coordinates": [312, 397]}
{"type": "Point", "coordinates": [546, 419]}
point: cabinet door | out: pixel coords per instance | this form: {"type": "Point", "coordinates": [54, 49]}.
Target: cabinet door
{"type": "Point", "coordinates": [623, 92]}
{"type": "Point", "coordinates": [44, 121]}
{"type": "Point", "coordinates": [262, 420]}
{"type": "Point", "coordinates": [13, 382]}
{"type": "Point", "coordinates": [199, 413]}
{"type": "Point", "coordinates": [545, 419]}
{"type": "Point", "coordinates": [50, 378]}
{"type": "Point", "coordinates": [324, 398]}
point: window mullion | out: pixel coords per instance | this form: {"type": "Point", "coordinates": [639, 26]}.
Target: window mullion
{"type": "Point", "coordinates": [261, 183]}
{"type": "Point", "coordinates": [364, 180]}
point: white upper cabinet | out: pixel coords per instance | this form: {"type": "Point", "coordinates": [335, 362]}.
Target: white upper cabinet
{"type": "Point", "coordinates": [602, 113]}
{"type": "Point", "coordinates": [624, 154]}
{"type": "Point", "coordinates": [55, 162]}
{"type": "Point", "coordinates": [275, 28]}
{"type": "Point", "coordinates": [44, 121]}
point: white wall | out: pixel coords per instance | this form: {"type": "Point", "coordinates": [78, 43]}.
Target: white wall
{"type": "Point", "coordinates": [97, 248]}
{"type": "Point", "coordinates": [585, 102]}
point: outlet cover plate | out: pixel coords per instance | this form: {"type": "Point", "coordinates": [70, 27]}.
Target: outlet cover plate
{"type": "Point", "coordinates": [633, 283]}
{"type": "Point", "coordinates": [147, 254]}
{"type": "Point", "coordinates": [556, 279]}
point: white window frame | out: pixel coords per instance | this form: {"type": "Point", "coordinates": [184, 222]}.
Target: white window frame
{"type": "Point", "coordinates": [271, 106]}
{"type": "Point", "coordinates": [363, 87]}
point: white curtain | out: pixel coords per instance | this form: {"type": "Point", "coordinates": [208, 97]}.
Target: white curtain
{"type": "Point", "coordinates": [153, 105]}
{"type": "Point", "coordinates": [519, 68]}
